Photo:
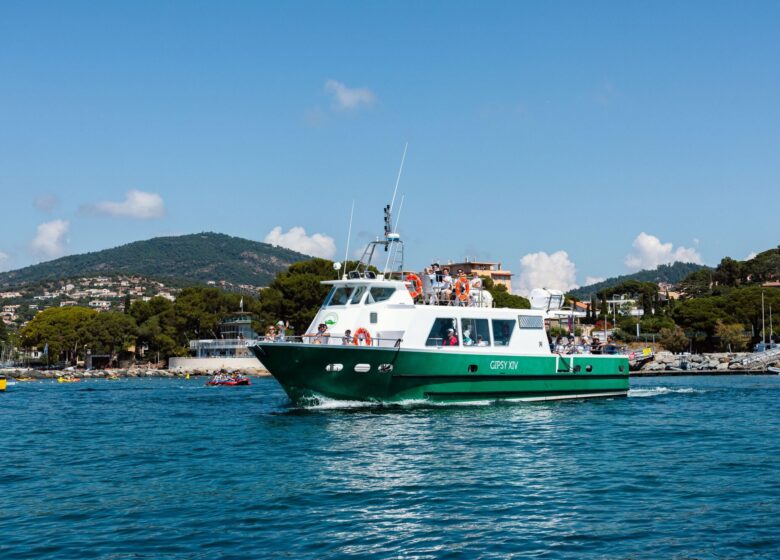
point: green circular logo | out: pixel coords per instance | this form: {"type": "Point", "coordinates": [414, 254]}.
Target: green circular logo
{"type": "Point", "coordinates": [331, 319]}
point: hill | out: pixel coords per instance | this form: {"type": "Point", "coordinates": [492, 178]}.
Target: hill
{"type": "Point", "coordinates": [671, 273]}
{"type": "Point", "coordinates": [181, 260]}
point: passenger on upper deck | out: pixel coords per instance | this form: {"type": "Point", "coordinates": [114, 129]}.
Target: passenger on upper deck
{"type": "Point", "coordinates": [346, 340]}
{"type": "Point", "coordinates": [446, 285]}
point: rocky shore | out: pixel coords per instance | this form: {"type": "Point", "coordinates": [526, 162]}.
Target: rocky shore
{"type": "Point", "coordinates": [132, 372]}
{"type": "Point", "coordinates": [721, 363]}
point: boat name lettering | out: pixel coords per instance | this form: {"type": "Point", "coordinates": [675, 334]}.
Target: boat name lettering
{"type": "Point", "coordinates": [510, 365]}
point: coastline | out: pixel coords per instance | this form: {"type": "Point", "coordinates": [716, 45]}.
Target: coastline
{"type": "Point", "coordinates": [122, 373]}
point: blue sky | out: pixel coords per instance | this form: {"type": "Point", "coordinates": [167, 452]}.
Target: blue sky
{"type": "Point", "coordinates": [567, 140]}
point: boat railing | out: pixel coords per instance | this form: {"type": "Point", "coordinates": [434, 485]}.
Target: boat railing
{"type": "Point", "coordinates": [220, 343]}
{"type": "Point", "coordinates": [336, 339]}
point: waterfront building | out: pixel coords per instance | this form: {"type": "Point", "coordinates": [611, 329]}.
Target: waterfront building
{"type": "Point", "coordinates": [486, 269]}
{"type": "Point", "coordinates": [229, 351]}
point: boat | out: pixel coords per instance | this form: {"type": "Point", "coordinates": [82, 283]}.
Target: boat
{"type": "Point", "coordinates": [228, 380]}
{"type": "Point", "coordinates": [3, 383]}
{"type": "Point", "coordinates": [410, 344]}
{"type": "Point", "coordinates": [68, 379]}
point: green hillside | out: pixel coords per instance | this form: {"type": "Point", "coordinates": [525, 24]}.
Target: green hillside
{"type": "Point", "coordinates": [181, 260]}
{"type": "Point", "coordinates": [671, 273]}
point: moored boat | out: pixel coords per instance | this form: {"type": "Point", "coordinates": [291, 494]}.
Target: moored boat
{"type": "Point", "coordinates": [410, 344]}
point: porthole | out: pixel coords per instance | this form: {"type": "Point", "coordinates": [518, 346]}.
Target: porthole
{"type": "Point", "coordinates": [334, 367]}
{"type": "Point", "coordinates": [577, 368]}
{"type": "Point", "coordinates": [620, 369]}
{"type": "Point", "coordinates": [588, 368]}
{"type": "Point", "coordinates": [385, 368]}
{"type": "Point", "coordinates": [473, 368]}
{"type": "Point", "coordinates": [362, 368]}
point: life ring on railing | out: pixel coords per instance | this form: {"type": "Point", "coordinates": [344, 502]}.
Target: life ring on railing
{"type": "Point", "coordinates": [362, 334]}
{"type": "Point", "coordinates": [462, 288]}
{"type": "Point", "coordinates": [416, 284]}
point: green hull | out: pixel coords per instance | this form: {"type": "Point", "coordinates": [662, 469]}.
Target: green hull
{"type": "Point", "coordinates": [438, 375]}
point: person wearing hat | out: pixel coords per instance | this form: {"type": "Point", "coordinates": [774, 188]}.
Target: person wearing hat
{"type": "Point", "coordinates": [450, 339]}
{"type": "Point", "coordinates": [281, 328]}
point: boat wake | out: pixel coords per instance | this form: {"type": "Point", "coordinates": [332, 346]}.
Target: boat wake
{"type": "Point", "coordinates": [656, 391]}
{"type": "Point", "coordinates": [326, 403]}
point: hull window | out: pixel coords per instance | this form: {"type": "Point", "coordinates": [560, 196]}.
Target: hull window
{"type": "Point", "coordinates": [334, 367]}
{"type": "Point", "coordinates": [444, 332]}
{"type": "Point", "coordinates": [362, 368]}
{"type": "Point", "coordinates": [475, 332]}
{"type": "Point", "coordinates": [503, 330]}
{"type": "Point", "coordinates": [385, 368]}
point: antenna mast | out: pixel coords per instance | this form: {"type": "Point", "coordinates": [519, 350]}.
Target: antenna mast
{"type": "Point", "coordinates": [349, 235]}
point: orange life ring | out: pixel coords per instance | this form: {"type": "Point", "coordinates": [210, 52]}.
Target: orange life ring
{"type": "Point", "coordinates": [365, 333]}
{"type": "Point", "coordinates": [416, 283]}
{"type": "Point", "coordinates": [462, 288]}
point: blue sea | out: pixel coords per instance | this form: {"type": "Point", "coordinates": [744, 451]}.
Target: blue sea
{"type": "Point", "coordinates": [168, 468]}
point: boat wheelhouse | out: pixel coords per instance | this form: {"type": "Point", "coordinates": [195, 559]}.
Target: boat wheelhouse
{"type": "Point", "coordinates": [386, 339]}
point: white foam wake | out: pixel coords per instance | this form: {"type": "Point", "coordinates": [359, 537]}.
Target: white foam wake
{"type": "Point", "coordinates": [655, 391]}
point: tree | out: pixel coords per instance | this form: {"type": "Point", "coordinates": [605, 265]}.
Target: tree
{"type": "Point", "coordinates": [110, 333]}
{"type": "Point", "coordinates": [697, 284]}
{"type": "Point", "coordinates": [729, 272]}
{"type": "Point", "coordinates": [674, 339]}
{"type": "Point", "coordinates": [63, 329]}
{"type": "Point", "coordinates": [502, 298]}
{"type": "Point", "coordinates": [732, 336]}
{"type": "Point", "coordinates": [3, 332]}
{"type": "Point", "coordinates": [296, 294]}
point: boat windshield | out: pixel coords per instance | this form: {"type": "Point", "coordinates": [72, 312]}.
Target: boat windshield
{"type": "Point", "coordinates": [343, 295]}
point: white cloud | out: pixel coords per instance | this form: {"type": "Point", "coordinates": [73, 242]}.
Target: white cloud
{"type": "Point", "coordinates": [540, 270]}
{"type": "Point", "coordinates": [5, 261]}
{"type": "Point", "coordinates": [589, 280]}
{"type": "Point", "coordinates": [751, 256]}
{"type": "Point", "coordinates": [49, 240]}
{"type": "Point", "coordinates": [346, 98]}
{"type": "Point", "coordinates": [316, 245]}
{"type": "Point", "coordinates": [46, 202]}
{"type": "Point", "coordinates": [137, 204]}
{"type": "Point", "coordinates": [649, 252]}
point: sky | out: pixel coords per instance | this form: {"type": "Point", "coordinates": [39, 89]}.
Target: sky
{"type": "Point", "coordinates": [570, 141]}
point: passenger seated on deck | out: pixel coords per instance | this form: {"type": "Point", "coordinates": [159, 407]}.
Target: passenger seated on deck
{"type": "Point", "coordinates": [346, 340]}
{"type": "Point", "coordinates": [481, 342]}
{"type": "Point", "coordinates": [451, 339]}
{"type": "Point", "coordinates": [467, 338]}
{"type": "Point", "coordinates": [595, 346]}
{"type": "Point", "coordinates": [270, 334]}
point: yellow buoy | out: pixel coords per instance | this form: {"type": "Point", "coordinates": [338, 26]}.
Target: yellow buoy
{"type": "Point", "coordinates": [3, 383]}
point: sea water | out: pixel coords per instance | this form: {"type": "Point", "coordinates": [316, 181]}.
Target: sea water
{"type": "Point", "coordinates": [161, 468]}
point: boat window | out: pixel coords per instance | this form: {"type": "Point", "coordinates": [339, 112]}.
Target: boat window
{"type": "Point", "coordinates": [475, 332]}
{"type": "Point", "coordinates": [339, 296]}
{"type": "Point", "coordinates": [440, 334]}
{"type": "Point", "coordinates": [357, 295]}
{"type": "Point", "coordinates": [502, 331]}
{"type": "Point", "coordinates": [376, 295]}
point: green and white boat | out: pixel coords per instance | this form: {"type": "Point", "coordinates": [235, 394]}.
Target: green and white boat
{"type": "Point", "coordinates": [421, 349]}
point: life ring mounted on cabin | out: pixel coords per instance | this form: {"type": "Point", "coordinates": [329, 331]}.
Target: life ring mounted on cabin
{"type": "Point", "coordinates": [416, 288]}
{"type": "Point", "coordinates": [462, 288]}
{"type": "Point", "coordinates": [362, 335]}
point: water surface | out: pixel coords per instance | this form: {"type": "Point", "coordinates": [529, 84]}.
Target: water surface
{"type": "Point", "coordinates": [157, 468]}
